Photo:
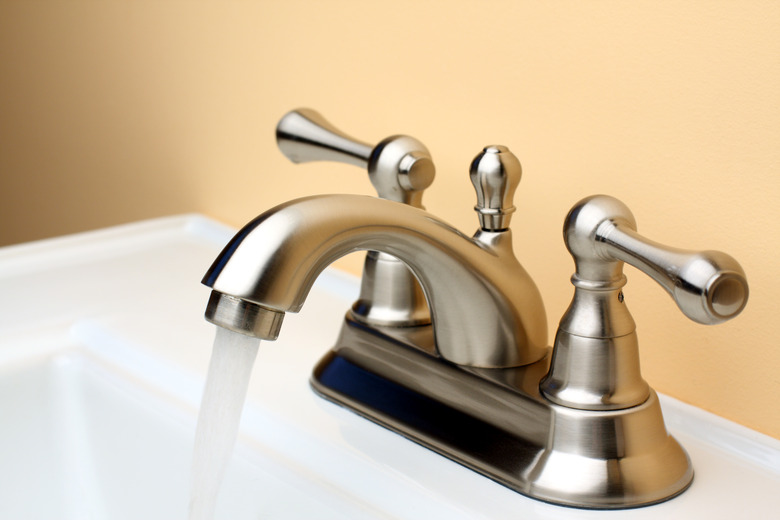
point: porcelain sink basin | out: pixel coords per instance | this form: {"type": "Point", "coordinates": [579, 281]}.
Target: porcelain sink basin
{"type": "Point", "coordinates": [88, 441]}
{"type": "Point", "coordinates": [103, 356]}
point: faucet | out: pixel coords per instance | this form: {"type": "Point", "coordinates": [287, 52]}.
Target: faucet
{"type": "Point", "coordinates": [447, 344]}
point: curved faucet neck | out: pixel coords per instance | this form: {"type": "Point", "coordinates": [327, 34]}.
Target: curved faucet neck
{"type": "Point", "coordinates": [486, 310]}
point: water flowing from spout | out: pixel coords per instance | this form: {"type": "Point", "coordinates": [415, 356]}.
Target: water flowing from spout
{"type": "Point", "coordinates": [220, 414]}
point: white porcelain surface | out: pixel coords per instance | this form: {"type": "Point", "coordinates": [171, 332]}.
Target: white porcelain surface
{"type": "Point", "coordinates": [103, 353]}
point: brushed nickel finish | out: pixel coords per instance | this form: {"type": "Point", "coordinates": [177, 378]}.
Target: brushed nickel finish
{"type": "Point", "coordinates": [400, 169]}
{"type": "Point", "coordinates": [496, 422]}
{"type": "Point", "coordinates": [486, 310]}
{"type": "Point", "coordinates": [576, 424]}
{"type": "Point", "coordinates": [243, 317]}
{"type": "Point", "coordinates": [495, 174]}
{"type": "Point", "coordinates": [600, 232]}
{"type": "Point", "coordinates": [596, 353]}
{"type": "Point", "coordinates": [303, 135]}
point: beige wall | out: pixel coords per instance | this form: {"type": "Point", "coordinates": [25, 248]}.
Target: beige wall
{"type": "Point", "coordinates": [112, 112]}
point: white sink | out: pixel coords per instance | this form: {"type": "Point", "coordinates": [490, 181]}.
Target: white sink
{"type": "Point", "coordinates": [103, 354]}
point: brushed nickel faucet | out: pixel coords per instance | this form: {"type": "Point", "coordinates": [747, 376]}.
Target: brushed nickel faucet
{"type": "Point", "coordinates": [447, 344]}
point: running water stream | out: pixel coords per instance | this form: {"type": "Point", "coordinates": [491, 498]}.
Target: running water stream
{"type": "Point", "coordinates": [220, 414]}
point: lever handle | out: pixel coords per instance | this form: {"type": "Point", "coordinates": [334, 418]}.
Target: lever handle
{"type": "Point", "coordinates": [400, 167]}
{"type": "Point", "coordinates": [595, 363]}
{"type": "Point", "coordinates": [303, 135]}
{"type": "Point", "coordinates": [600, 232]}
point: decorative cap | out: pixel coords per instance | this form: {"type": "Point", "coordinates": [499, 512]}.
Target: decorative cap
{"type": "Point", "coordinates": [495, 174]}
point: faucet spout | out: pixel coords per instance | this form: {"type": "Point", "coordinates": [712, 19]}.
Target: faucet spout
{"type": "Point", "coordinates": [485, 308]}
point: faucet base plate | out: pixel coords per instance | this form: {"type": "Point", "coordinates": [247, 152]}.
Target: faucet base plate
{"type": "Point", "coordinates": [502, 427]}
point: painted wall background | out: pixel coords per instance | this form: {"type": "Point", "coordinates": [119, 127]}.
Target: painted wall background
{"type": "Point", "coordinates": [118, 111]}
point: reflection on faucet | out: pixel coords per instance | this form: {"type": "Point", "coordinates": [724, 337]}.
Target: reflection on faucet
{"type": "Point", "coordinates": [578, 427]}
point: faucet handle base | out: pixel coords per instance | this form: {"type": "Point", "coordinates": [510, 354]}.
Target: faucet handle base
{"type": "Point", "coordinates": [495, 422]}
{"type": "Point", "coordinates": [389, 294]}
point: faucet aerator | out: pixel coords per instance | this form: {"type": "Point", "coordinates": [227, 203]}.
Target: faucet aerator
{"type": "Point", "coordinates": [243, 316]}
